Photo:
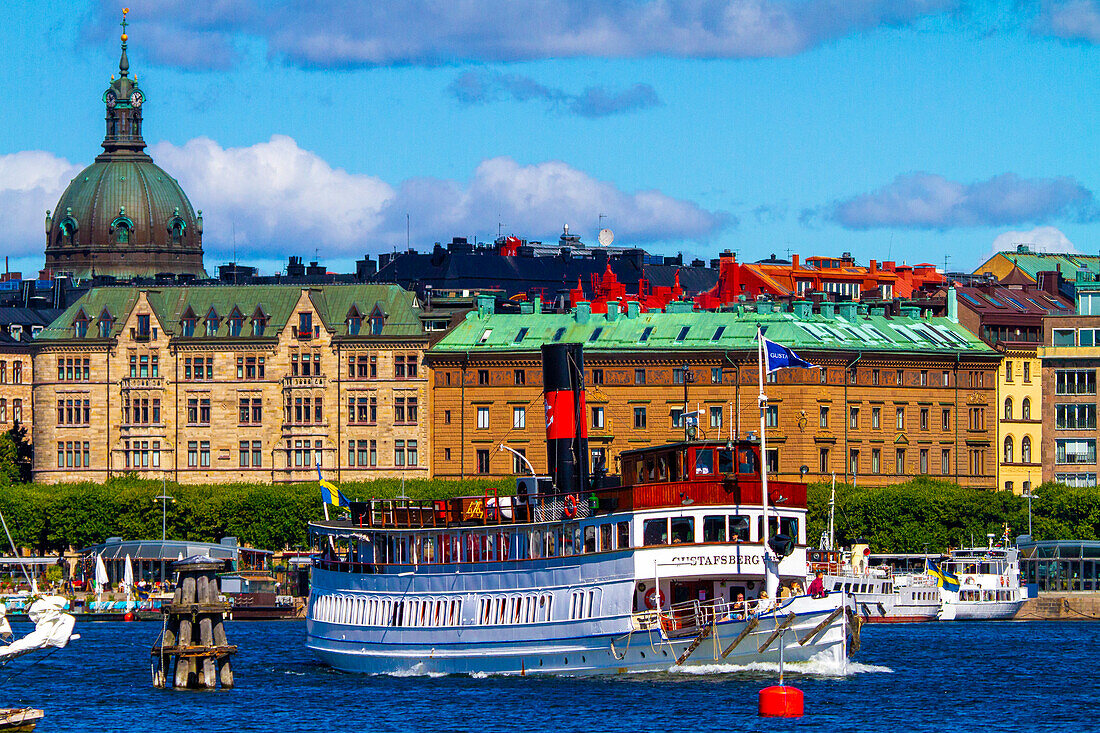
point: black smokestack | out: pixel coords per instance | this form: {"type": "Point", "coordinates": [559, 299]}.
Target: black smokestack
{"type": "Point", "coordinates": [566, 430]}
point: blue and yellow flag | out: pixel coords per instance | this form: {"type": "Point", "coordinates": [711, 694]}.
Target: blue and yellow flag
{"type": "Point", "coordinates": [329, 493]}
{"type": "Point", "coordinates": [944, 578]}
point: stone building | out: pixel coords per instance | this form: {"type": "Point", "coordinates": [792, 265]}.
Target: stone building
{"type": "Point", "coordinates": [233, 383]}
{"type": "Point", "coordinates": [18, 326]}
{"type": "Point", "coordinates": [1009, 317]}
{"type": "Point", "coordinates": [895, 397]}
{"type": "Point", "coordinates": [123, 215]}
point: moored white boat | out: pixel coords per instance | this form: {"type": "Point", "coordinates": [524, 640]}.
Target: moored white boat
{"type": "Point", "coordinates": [674, 564]}
{"type": "Point", "coordinates": [988, 583]}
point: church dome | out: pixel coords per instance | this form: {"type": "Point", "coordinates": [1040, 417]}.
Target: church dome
{"type": "Point", "coordinates": [123, 215]}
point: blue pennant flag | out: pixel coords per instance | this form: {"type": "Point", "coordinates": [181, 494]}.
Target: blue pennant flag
{"type": "Point", "coordinates": [780, 357]}
{"type": "Point", "coordinates": [944, 578]}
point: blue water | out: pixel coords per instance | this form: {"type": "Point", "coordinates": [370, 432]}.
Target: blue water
{"type": "Point", "coordinates": [1035, 676]}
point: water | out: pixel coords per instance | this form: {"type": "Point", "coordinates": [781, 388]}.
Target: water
{"type": "Point", "coordinates": [1034, 676]}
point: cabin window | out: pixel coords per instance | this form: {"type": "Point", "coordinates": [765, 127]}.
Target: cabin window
{"type": "Point", "coordinates": [725, 461]}
{"type": "Point", "coordinates": [606, 531]}
{"type": "Point", "coordinates": [780, 525]}
{"type": "Point", "coordinates": [714, 529]}
{"type": "Point", "coordinates": [655, 532]}
{"type": "Point", "coordinates": [623, 531]}
{"type": "Point", "coordinates": [683, 530]}
{"type": "Point", "coordinates": [704, 462]}
{"type": "Point", "coordinates": [739, 528]}
{"type": "Point", "coordinates": [590, 538]}
{"type": "Point", "coordinates": [746, 461]}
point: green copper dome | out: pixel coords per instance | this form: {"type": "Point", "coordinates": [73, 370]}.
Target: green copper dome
{"type": "Point", "coordinates": [123, 215]}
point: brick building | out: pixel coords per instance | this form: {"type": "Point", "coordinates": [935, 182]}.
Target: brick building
{"type": "Point", "coordinates": [232, 383]}
{"type": "Point", "coordinates": [896, 397]}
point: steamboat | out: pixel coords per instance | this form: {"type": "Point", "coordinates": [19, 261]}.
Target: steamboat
{"type": "Point", "coordinates": [988, 583]}
{"type": "Point", "coordinates": [676, 562]}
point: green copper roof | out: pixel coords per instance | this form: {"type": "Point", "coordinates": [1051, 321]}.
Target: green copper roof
{"type": "Point", "coordinates": [1032, 263]}
{"type": "Point", "coordinates": [274, 303]}
{"type": "Point", "coordinates": [664, 331]}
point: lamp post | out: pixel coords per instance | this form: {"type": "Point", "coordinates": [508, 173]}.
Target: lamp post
{"type": "Point", "coordinates": [164, 498]}
{"type": "Point", "coordinates": [1029, 495]}
{"type": "Point", "coordinates": [688, 378]}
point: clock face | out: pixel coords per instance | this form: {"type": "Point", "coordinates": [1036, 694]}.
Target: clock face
{"type": "Point", "coordinates": [111, 99]}
{"type": "Point", "coordinates": [137, 98]}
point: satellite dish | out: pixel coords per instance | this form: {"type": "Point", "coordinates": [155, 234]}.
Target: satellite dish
{"type": "Point", "coordinates": [606, 237]}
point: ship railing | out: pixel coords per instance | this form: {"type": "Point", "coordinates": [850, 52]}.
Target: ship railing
{"type": "Point", "coordinates": [680, 618]}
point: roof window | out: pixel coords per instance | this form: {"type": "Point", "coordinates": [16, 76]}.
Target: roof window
{"type": "Point", "coordinates": [718, 333]}
{"type": "Point", "coordinates": [645, 334]}
{"type": "Point", "coordinates": [485, 335]}
{"type": "Point", "coordinates": [559, 333]}
{"type": "Point", "coordinates": [595, 335]}
{"type": "Point", "coordinates": [522, 334]}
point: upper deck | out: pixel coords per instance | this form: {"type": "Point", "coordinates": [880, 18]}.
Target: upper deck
{"type": "Point", "coordinates": [704, 473]}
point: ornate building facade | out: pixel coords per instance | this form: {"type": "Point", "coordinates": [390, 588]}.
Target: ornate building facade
{"type": "Point", "coordinates": [123, 215]}
{"type": "Point", "coordinates": [233, 383]}
{"type": "Point", "coordinates": [894, 397]}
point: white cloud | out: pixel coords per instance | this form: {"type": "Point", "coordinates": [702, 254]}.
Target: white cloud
{"type": "Point", "coordinates": [280, 197]}
{"type": "Point", "coordinates": [1039, 239]}
{"type": "Point", "coordinates": [31, 182]}
{"type": "Point", "coordinates": [344, 33]}
{"type": "Point", "coordinates": [1073, 20]}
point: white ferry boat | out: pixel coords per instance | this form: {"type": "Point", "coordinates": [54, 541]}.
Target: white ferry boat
{"type": "Point", "coordinates": [886, 588]}
{"type": "Point", "coordinates": [663, 567]}
{"type": "Point", "coordinates": [988, 583]}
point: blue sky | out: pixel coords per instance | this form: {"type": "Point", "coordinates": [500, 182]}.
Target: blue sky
{"type": "Point", "coordinates": [893, 129]}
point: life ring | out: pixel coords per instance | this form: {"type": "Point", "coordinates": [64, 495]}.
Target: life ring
{"type": "Point", "coordinates": [1004, 581]}
{"type": "Point", "coordinates": [654, 598]}
{"type": "Point", "coordinates": [570, 509]}
{"type": "Point", "coordinates": [968, 581]}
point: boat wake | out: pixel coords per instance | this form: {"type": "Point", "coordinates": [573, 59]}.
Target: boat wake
{"type": "Point", "coordinates": [812, 668]}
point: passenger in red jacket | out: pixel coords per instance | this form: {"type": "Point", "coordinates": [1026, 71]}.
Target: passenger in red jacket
{"type": "Point", "coordinates": [817, 586]}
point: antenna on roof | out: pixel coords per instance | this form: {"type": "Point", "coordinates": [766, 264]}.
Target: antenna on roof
{"type": "Point", "coordinates": [408, 230]}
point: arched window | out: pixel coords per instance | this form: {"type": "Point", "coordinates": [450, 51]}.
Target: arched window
{"type": "Point", "coordinates": [212, 322]}
{"type": "Point", "coordinates": [122, 226]}
{"type": "Point", "coordinates": [1008, 450]}
{"type": "Point", "coordinates": [1025, 449]}
{"type": "Point", "coordinates": [176, 227]}
{"type": "Point", "coordinates": [1025, 409]}
{"type": "Point", "coordinates": [1008, 408]}
{"type": "Point", "coordinates": [66, 231]}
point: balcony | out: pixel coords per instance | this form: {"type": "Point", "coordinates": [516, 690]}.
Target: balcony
{"type": "Point", "coordinates": [142, 383]}
{"type": "Point", "coordinates": [299, 382]}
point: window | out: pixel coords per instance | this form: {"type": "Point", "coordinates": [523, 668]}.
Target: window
{"type": "Point", "coordinates": [924, 377]}
{"type": "Point", "coordinates": [946, 379]}
{"type": "Point", "coordinates": [683, 530]}
{"type": "Point", "coordinates": [977, 418]}
{"type": "Point", "coordinates": [899, 418]}
{"type": "Point", "coordinates": [945, 419]}
{"type": "Point", "coordinates": [405, 366]}
{"type": "Point", "coordinates": [639, 418]}
{"type": "Point", "coordinates": [1027, 372]}
{"type": "Point", "coordinates": [899, 461]}
{"type": "Point", "coordinates": [772, 461]}
{"type": "Point", "coordinates": [852, 376]}
{"type": "Point", "coordinates": [824, 377]}
{"type": "Point", "coordinates": [1008, 408]}
{"type": "Point", "coordinates": [639, 376]}
{"type": "Point", "coordinates": [1025, 409]}
{"type": "Point", "coordinates": [1025, 449]}
{"type": "Point", "coordinates": [771, 416]}
{"type": "Point", "coordinates": [874, 377]}
{"type": "Point", "coordinates": [597, 376]}
{"type": "Point", "coordinates": [655, 532]}
{"type": "Point", "coordinates": [876, 417]}
{"type": "Point", "coordinates": [1076, 480]}
{"type": "Point", "coordinates": [923, 461]}
{"type": "Point", "coordinates": [677, 376]}
{"type": "Point", "coordinates": [645, 334]}
{"type": "Point", "coordinates": [853, 418]}
{"type": "Point", "coordinates": [823, 416]}
{"type": "Point", "coordinates": [899, 377]}
{"type": "Point", "coordinates": [1008, 370]}
{"type": "Point", "coordinates": [518, 465]}
{"type": "Point", "coordinates": [716, 417]}
{"type": "Point", "coordinates": [853, 461]}
{"type": "Point", "coordinates": [519, 418]}
{"type": "Point", "coordinates": [243, 453]}
{"type": "Point", "coordinates": [204, 453]}
{"type": "Point", "coordinates": [305, 325]}
{"type": "Point", "coordinates": [977, 462]}
{"type": "Point", "coordinates": [739, 528]}
{"type": "Point", "coordinates": [1074, 381]}
{"type": "Point", "coordinates": [17, 411]}
{"type": "Point", "coordinates": [823, 460]}
{"type": "Point", "coordinates": [1007, 450]}
{"type": "Point", "coordinates": [716, 374]}
{"type": "Point", "coordinates": [597, 418]}
{"type": "Point", "coordinates": [520, 376]}
{"type": "Point", "coordinates": [482, 461]}
{"type": "Point", "coordinates": [399, 453]}
{"type": "Point", "coordinates": [483, 376]}
{"type": "Point", "coordinates": [198, 368]}
{"type": "Point", "coordinates": [192, 454]}
{"type": "Point", "coordinates": [1075, 416]}
{"type": "Point", "coordinates": [250, 367]}
{"type": "Point", "coordinates": [714, 528]}
{"type": "Point", "coordinates": [74, 369]}
{"type": "Point", "coordinates": [257, 453]}
{"type": "Point", "coordinates": [924, 418]}
{"type": "Point", "coordinates": [1064, 337]}
{"type": "Point", "coordinates": [1075, 450]}
{"type": "Point", "coordinates": [483, 418]}
{"type": "Point", "coordinates": [876, 460]}
{"type": "Point", "coordinates": [945, 462]}
{"type": "Point", "coordinates": [250, 410]}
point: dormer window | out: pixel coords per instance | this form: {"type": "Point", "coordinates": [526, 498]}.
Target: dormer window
{"type": "Point", "coordinates": [377, 321]}
{"type": "Point", "coordinates": [66, 231]}
{"type": "Point", "coordinates": [305, 325]}
{"type": "Point", "coordinates": [236, 323]}
{"type": "Point", "coordinates": [122, 226]}
{"type": "Point", "coordinates": [16, 333]}
{"type": "Point", "coordinates": [258, 326]}
{"type": "Point", "coordinates": [80, 325]}
{"type": "Point", "coordinates": [106, 323]}
{"type": "Point", "coordinates": [187, 324]}
{"type": "Point", "coordinates": [176, 228]}
{"type": "Point", "coordinates": [212, 323]}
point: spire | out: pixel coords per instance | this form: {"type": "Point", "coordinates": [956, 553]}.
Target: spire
{"type": "Point", "coordinates": [124, 62]}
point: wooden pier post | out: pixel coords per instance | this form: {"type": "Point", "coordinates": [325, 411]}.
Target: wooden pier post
{"type": "Point", "coordinates": [194, 639]}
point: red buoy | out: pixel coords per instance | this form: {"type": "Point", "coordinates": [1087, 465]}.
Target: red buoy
{"type": "Point", "coordinates": [781, 701]}
{"type": "Point", "coordinates": [128, 616]}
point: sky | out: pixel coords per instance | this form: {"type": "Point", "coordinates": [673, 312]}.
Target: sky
{"type": "Point", "coordinates": [906, 130]}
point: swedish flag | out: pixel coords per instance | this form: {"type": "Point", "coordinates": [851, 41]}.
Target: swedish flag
{"type": "Point", "coordinates": [329, 493]}
{"type": "Point", "coordinates": [944, 578]}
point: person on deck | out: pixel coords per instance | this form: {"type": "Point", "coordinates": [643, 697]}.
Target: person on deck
{"type": "Point", "coordinates": [817, 586]}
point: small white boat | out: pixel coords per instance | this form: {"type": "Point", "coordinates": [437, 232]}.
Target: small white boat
{"type": "Point", "coordinates": [885, 588]}
{"type": "Point", "coordinates": [988, 583]}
